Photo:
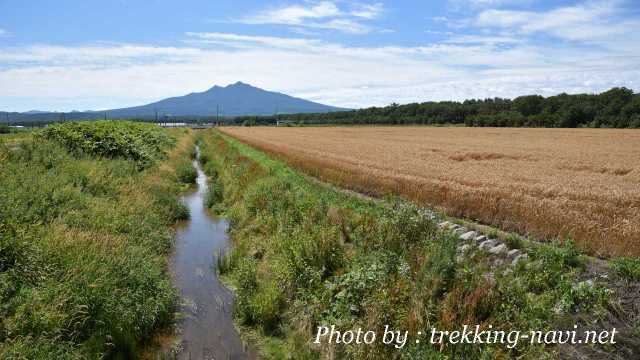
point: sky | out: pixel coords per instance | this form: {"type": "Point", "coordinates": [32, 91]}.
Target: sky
{"type": "Point", "coordinates": [68, 55]}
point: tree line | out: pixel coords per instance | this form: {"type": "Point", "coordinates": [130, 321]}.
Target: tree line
{"type": "Point", "coordinates": [615, 108]}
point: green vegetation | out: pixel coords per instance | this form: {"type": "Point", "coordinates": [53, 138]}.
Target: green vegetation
{"type": "Point", "coordinates": [140, 142]}
{"type": "Point", "coordinates": [84, 235]}
{"type": "Point", "coordinates": [306, 255]}
{"type": "Point", "coordinates": [627, 267]}
{"type": "Point", "coordinates": [187, 174]}
{"type": "Point", "coordinates": [616, 108]}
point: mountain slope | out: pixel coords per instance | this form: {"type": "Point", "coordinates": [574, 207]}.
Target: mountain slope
{"type": "Point", "coordinates": [233, 100]}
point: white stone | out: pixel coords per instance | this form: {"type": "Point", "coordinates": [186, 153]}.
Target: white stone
{"type": "Point", "coordinates": [464, 248]}
{"type": "Point", "coordinates": [468, 235]}
{"type": "Point", "coordinates": [479, 239]}
{"type": "Point", "coordinates": [498, 249]}
{"type": "Point", "coordinates": [487, 244]}
{"type": "Point", "coordinates": [519, 258]}
{"type": "Point", "coordinates": [513, 253]}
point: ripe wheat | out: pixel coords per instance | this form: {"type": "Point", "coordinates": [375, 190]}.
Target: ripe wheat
{"type": "Point", "coordinates": [548, 183]}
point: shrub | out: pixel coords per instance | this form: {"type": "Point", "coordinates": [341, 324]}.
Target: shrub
{"type": "Point", "coordinates": [186, 173]}
{"type": "Point", "coordinates": [514, 241]}
{"type": "Point", "coordinates": [140, 142]}
{"type": "Point", "coordinates": [214, 195]}
{"type": "Point", "coordinates": [204, 159]}
{"type": "Point", "coordinates": [210, 170]}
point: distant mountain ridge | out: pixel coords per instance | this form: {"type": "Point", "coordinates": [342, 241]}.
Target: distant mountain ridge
{"type": "Point", "coordinates": [238, 99]}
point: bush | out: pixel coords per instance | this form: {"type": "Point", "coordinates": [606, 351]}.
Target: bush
{"type": "Point", "coordinates": [214, 195]}
{"type": "Point", "coordinates": [140, 142]}
{"type": "Point", "coordinates": [186, 173]}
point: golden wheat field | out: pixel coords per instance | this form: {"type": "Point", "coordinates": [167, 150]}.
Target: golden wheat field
{"type": "Point", "coordinates": [548, 183]}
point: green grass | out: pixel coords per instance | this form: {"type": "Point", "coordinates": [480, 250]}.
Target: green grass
{"type": "Point", "coordinates": [186, 173]}
{"type": "Point", "coordinates": [627, 267]}
{"type": "Point", "coordinates": [306, 255]}
{"type": "Point", "coordinates": [83, 242]}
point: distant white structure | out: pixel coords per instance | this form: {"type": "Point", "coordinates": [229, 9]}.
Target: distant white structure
{"type": "Point", "coordinates": [172, 125]}
{"type": "Point", "coordinates": [284, 122]}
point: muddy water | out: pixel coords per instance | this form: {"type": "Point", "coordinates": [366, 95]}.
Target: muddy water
{"type": "Point", "coordinates": [206, 329]}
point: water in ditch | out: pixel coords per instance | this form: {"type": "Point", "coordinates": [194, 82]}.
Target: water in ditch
{"type": "Point", "coordinates": [206, 329]}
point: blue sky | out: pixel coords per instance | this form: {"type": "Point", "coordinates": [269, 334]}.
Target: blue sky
{"type": "Point", "coordinates": [71, 54]}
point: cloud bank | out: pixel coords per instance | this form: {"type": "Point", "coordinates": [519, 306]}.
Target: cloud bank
{"type": "Point", "coordinates": [493, 53]}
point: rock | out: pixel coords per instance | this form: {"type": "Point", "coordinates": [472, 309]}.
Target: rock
{"type": "Point", "coordinates": [479, 239]}
{"type": "Point", "coordinates": [468, 235]}
{"type": "Point", "coordinates": [513, 253]}
{"type": "Point", "coordinates": [498, 262]}
{"type": "Point", "coordinates": [498, 249]}
{"type": "Point", "coordinates": [464, 248]}
{"type": "Point", "coordinates": [519, 258]}
{"type": "Point", "coordinates": [444, 225]}
{"type": "Point", "coordinates": [460, 230]}
{"type": "Point", "coordinates": [487, 244]}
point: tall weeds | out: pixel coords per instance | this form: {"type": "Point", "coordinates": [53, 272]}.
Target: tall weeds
{"type": "Point", "coordinates": [83, 243]}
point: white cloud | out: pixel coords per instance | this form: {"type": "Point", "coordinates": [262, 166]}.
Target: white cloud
{"type": "Point", "coordinates": [295, 14]}
{"type": "Point", "coordinates": [244, 41]}
{"type": "Point", "coordinates": [480, 39]}
{"type": "Point", "coordinates": [465, 6]}
{"type": "Point", "coordinates": [368, 11]}
{"type": "Point", "coordinates": [497, 52]}
{"type": "Point", "coordinates": [3, 32]}
{"type": "Point", "coordinates": [592, 21]}
{"type": "Point", "coordinates": [319, 15]}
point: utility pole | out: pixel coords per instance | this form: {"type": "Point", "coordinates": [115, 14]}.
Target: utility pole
{"type": "Point", "coordinates": [217, 114]}
{"type": "Point", "coordinates": [156, 110]}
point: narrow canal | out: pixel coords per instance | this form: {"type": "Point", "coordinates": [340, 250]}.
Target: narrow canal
{"type": "Point", "coordinates": [206, 328]}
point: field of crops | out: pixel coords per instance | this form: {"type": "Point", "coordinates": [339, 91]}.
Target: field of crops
{"type": "Point", "coordinates": [582, 184]}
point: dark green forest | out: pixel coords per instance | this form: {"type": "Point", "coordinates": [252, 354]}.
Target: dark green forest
{"type": "Point", "coordinates": [615, 108]}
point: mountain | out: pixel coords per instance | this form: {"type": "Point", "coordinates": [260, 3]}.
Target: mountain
{"type": "Point", "coordinates": [31, 112]}
{"type": "Point", "coordinates": [233, 100]}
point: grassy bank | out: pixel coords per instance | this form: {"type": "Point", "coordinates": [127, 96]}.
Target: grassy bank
{"type": "Point", "coordinates": [86, 216]}
{"type": "Point", "coordinates": [306, 255]}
